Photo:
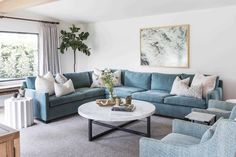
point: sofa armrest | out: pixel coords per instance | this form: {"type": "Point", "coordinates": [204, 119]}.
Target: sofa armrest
{"type": "Point", "coordinates": [216, 94]}
{"type": "Point", "coordinates": [189, 128]}
{"type": "Point", "coordinates": [155, 148]}
{"type": "Point", "coordinates": [41, 103]}
{"type": "Point", "coordinates": [221, 105]}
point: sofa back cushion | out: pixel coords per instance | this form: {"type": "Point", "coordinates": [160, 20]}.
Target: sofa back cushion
{"type": "Point", "coordinates": [191, 76]}
{"type": "Point", "coordinates": [163, 81]}
{"type": "Point", "coordinates": [79, 80]}
{"type": "Point", "coordinates": [30, 82]}
{"type": "Point", "coordinates": [137, 79]}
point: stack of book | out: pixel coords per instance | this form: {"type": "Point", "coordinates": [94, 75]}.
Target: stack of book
{"type": "Point", "coordinates": [124, 108]}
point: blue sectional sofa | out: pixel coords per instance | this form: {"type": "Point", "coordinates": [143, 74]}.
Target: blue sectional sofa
{"type": "Point", "coordinates": [151, 87]}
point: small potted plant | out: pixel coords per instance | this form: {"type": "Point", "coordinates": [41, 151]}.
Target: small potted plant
{"type": "Point", "coordinates": [107, 78]}
{"type": "Point", "coordinates": [22, 91]}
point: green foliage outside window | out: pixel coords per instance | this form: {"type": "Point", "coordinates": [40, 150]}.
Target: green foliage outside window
{"type": "Point", "coordinates": [17, 61]}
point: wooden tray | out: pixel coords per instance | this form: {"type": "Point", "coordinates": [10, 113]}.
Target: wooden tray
{"type": "Point", "coordinates": [105, 102]}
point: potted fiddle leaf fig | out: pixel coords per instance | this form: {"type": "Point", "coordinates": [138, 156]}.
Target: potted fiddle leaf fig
{"type": "Point", "coordinates": [74, 39]}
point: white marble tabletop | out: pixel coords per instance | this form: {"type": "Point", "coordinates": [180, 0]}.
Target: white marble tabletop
{"type": "Point", "coordinates": [92, 111]}
{"type": "Point", "coordinates": [199, 116]}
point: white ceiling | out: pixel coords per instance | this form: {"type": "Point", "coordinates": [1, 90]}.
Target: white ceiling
{"type": "Point", "coordinates": [103, 10]}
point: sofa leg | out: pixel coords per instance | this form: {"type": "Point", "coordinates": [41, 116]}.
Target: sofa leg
{"type": "Point", "coordinates": [47, 121]}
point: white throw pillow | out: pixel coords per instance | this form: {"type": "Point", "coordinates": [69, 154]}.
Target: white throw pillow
{"type": "Point", "coordinates": [45, 83]}
{"type": "Point", "coordinates": [208, 83]}
{"type": "Point", "coordinates": [117, 78]}
{"type": "Point", "coordinates": [64, 89]}
{"type": "Point", "coordinates": [96, 77]}
{"type": "Point", "coordinates": [193, 91]}
{"type": "Point", "coordinates": [60, 78]}
{"type": "Point", "coordinates": [177, 86]}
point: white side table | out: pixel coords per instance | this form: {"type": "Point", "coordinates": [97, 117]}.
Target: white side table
{"type": "Point", "coordinates": [231, 100]}
{"type": "Point", "coordinates": [19, 112]}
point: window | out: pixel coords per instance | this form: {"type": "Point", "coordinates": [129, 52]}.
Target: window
{"type": "Point", "coordinates": [18, 55]}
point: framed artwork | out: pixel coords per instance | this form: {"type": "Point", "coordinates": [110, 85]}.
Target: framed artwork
{"type": "Point", "coordinates": [166, 46]}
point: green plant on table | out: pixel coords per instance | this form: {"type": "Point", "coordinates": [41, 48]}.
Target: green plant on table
{"type": "Point", "coordinates": [107, 78]}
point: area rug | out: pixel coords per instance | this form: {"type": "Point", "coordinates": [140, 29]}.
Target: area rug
{"type": "Point", "coordinates": [68, 137]}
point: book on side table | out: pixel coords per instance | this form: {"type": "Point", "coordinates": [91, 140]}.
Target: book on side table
{"type": "Point", "coordinates": [124, 108]}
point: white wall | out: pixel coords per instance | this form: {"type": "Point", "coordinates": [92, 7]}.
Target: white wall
{"type": "Point", "coordinates": [115, 44]}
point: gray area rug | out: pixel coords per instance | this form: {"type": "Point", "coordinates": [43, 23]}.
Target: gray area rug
{"type": "Point", "coordinates": [68, 137]}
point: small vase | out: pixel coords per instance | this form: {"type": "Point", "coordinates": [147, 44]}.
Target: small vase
{"type": "Point", "coordinates": [111, 96]}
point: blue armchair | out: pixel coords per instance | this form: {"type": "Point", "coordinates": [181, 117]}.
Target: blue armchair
{"type": "Point", "coordinates": [193, 140]}
{"type": "Point", "coordinates": [219, 108]}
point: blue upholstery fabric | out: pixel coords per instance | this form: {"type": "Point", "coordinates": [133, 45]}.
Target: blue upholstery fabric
{"type": "Point", "coordinates": [184, 76]}
{"type": "Point", "coordinates": [162, 81]}
{"type": "Point", "coordinates": [210, 132]}
{"type": "Point", "coordinates": [222, 144]}
{"type": "Point", "coordinates": [172, 110]}
{"type": "Point", "coordinates": [233, 113]}
{"type": "Point", "coordinates": [216, 94]}
{"type": "Point", "coordinates": [180, 139]}
{"type": "Point", "coordinates": [30, 82]}
{"type": "Point", "coordinates": [40, 101]}
{"type": "Point", "coordinates": [151, 96]}
{"type": "Point", "coordinates": [124, 91]}
{"type": "Point", "coordinates": [137, 79]}
{"type": "Point", "coordinates": [185, 101]}
{"type": "Point", "coordinates": [189, 128]}
{"type": "Point", "coordinates": [221, 105]}
{"type": "Point", "coordinates": [218, 108]}
{"type": "Point", "coordinates": [79, 94]}
{"type": "Point", "coordinates": [79, 79]}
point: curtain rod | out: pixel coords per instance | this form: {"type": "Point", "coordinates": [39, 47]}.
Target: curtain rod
{"type": "Point", "coordinates": [24, 19]}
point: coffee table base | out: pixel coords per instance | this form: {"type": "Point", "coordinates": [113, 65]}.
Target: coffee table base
{"type": "Point", "coordinates": [115, 128]}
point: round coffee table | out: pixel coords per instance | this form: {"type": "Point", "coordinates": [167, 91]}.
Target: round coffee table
{"type": "Point", "coordinates": [100, 115]}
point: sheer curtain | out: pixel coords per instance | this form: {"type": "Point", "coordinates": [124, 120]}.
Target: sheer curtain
{"type": "Point", "coordinates": [48, 56]}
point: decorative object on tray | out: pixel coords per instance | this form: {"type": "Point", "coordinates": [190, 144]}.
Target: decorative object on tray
{"type": "Point", "coordinates": [118, 101]}
{"type": "Point", "coordinates": [105, 102]}
{"type": "Point", "coordinates": [97, 78]}
{"type": "Point", "coordinates": [15, 95]}
{"type": "Point", "coordinates": [128, 100]}
{"type": "Point", "coordinates": [22, 91]}
{"type": "Point", "coordinates": [107, 78]}
{"type": "Point", "coordinates": [124, 108]}
{"type": "Point", "coordinates": [166, 46]}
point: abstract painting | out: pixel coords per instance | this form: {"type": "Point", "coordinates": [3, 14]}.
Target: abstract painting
{"type": "Point", "coordinates": [165, 46]}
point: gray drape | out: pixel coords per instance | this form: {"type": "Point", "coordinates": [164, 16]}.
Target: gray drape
{"type": "Point", "coordinates": [48, 57]}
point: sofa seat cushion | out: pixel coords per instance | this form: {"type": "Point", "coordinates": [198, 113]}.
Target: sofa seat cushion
{"type": "Point", "coordinates": [151, 96]}
{"type": "Point", "coordinates": [124, 91]}
{"type": "Point", "coordinates": [180, 139]}
{"type": "Point", "coordinates": [79, 94]}
{"type": "Point", "coordinates": [185, 101]}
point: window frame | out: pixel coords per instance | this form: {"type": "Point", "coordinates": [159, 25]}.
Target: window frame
{"type": "Point", "coordinates": [16, 32]}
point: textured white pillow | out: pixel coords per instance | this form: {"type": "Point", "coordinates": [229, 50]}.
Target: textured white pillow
{"type": "Point", "coordinates": [60, 78]}
{"type": "Point", "coordinates": [193, 91]}
{"type": "Point", "coordinates": [117, 78]}
{"type": "Point", "coordinates": [178, 85]}
{"type": "Point", "coordinates": [96, 77]}
{"type": "Point", "coordinates": [208, 83]}
{"type": "Point", "coordinates": [64, 89]}
{"type": "Point", "coordinates": [45, 83]}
